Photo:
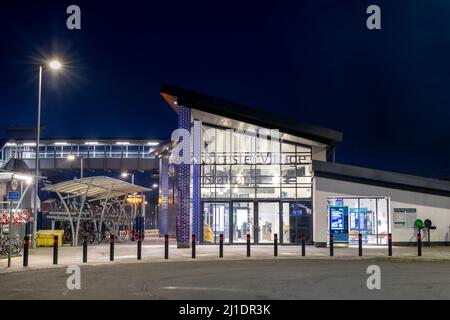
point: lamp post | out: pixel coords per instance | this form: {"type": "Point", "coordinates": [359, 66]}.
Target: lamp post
{"type": "Point", "coordinates": [53, 65]}
{"type": "Point", "coordinates": [72, 158]}
{"type": "Point", "coordinates": [126, 174]}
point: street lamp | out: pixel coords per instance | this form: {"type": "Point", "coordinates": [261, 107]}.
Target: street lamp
{"type": "Point", "coordinates": [126, 174]}
{"type": "Point", "coordinates": [52, 65]}
{"type": "Point", "coordinates": [55, 65]}
{"type": "Point", "coordinates": [71, 157]}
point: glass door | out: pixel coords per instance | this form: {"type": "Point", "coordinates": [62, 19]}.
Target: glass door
{"type": "Point", "coordinates": [243, 221]}
{"type": "Point", "coordinates": [216, 221]}
{"type": "Point", "coordinates": [268, 221]}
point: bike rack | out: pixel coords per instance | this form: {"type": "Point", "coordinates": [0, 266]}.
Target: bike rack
{"type": "Point", "coordinates": [98, 201]}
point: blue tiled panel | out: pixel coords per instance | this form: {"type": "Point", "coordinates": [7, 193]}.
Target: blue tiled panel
{"type": "Point", "coordinates": [183, 225]}
{"type": "Point", "coordinates": [196, 223]}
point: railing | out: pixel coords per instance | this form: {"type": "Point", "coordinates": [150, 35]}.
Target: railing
{"type": "Point", "coordinates": [94, 154]}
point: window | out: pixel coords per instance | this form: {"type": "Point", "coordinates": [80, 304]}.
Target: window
{"type": "Point", "coordinates": [237, 165]}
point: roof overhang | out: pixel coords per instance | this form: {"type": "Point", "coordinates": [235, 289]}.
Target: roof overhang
{"type": "Point", "coordinates": [231, 115]}
{"type": "Point", "coordinates": [393, 180]}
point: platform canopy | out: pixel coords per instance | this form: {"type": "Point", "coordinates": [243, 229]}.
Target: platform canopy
{"type": "Point", "coordinates": [96, 187]}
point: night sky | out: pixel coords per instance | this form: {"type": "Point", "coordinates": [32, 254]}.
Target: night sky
{"type": "Point", "coordinates": [387, 90]}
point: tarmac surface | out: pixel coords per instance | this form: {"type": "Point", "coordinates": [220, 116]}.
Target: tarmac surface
{"type": "Point", "coordinates": [153, 252]}
{"type": "Point", "coordinates": [236, 279]}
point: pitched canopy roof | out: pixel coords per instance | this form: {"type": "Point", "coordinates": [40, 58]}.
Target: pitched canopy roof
{"type": "Point", "coordinates": [96, 187]}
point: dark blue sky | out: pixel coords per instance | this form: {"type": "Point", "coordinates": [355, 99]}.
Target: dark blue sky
{"type": "Point", "coordinates": [387, 90]}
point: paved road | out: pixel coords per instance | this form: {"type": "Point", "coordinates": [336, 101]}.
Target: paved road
{"type": "Point", "coordinates": [264, 279]}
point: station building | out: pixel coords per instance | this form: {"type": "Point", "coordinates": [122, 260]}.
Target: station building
{"type": "Point", "coordinates": [262, 174]}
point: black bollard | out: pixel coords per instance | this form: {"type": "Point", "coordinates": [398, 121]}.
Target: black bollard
{"type": "Point", "coordinates": [221, 246]}
{"type": "Point", "coordinates": [55, 249]}
{"type": "Point", "coordinates": [248, 245]}
{"type": "Point", "coordinates": [166, 246]}
{"type": "Point", "coordinates": [139, 248]}
{"type": "Point", "coordinates": [111, 248]}
{"type": "Point", "coordinates": [331, 245]}
{"type": "Point", "coordinates": [275, 245]}
{"type": "Point", "coordinates": [419, 244]}
{"type": "Point", "coordinates": [193, 246]}
{"type": "Point", "coordinates": [85, 248]}
{"type": "Point", "coordinates": [303, 246]}
{"type": "Point", "coordinates": [360, 244]}
{"type": "Point", "coordinates": [390, 244]}
{"type": "Point", "coordinates": [26, 245]}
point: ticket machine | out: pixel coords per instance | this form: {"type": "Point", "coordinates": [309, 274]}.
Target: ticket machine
{"type": "Point", "coordinates": [338, 223]}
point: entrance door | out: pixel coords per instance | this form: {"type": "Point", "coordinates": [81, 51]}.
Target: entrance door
{"type": "Point", "coordinates": [268, 221]}
{"type": "Point", "coordinates": [216, 221]}
{"type": "Point", "coordinates": [243, 221]}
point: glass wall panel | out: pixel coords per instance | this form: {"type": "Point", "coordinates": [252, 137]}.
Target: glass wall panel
{"type": "Point", "coordinates": [368, 223]}
{"type": "Point", "coordinates": [216, 222]}
{"type": "Point", "coordinates": [243, 193]}
{"type": "Point", "coordinates": [297, 221]}
{"type": "Point", "coordinates": [288, 193]}
{"type": "Point", "coordinates": [382, 220]}
{"type": "Point", "coordinates": [268, 221]}
{"type": "Point", "coordinates": [223, 142]}
{"type": "Point", "coordinates": [287, 147]}
{"type": "Point", "coordinates": [242, 176]}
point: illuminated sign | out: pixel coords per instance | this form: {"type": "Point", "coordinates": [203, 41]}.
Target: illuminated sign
{"type": "Point", "coordinates": [255, 158]}
{"type": "Point", "coordinates": [135, 199]}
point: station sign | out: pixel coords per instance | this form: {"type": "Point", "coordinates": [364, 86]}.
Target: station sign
{"type": "Point", "coordinates": [13, 195]}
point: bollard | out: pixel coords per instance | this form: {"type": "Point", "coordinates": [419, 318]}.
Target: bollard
{"type": "Point", "coordinates": [139, 248]}
{"type": "Point", "coordinates": [193, 246]}
{"type": "Point", "coordinates": [26, 245]}
{"type": "Point", "coordinates": [303, 246]}
{"type": "Point", "coordinates": [221, 246]}
{"type": "Point", "coordinates": [111, 248]}
{"type": "Point", "coordinates": [248, 245]}
{"type": "Point", "coordinates": [275, 245]}
{"type": "Point", "coordinates": [331, 245]}
{"type": "Point", "coordinates": [55, 249]}
{"type": "Point", "coordinates": [166, 246]}
{"type": "Point", "coordinates": [419, 245]}
{"type": "Point", "coordinates": [85, 248]}
{"type": "Point", "coordinates": [360, 244]}
{"type": "Point", "coordinates": [390, 244]}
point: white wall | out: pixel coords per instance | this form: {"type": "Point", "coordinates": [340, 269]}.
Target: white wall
{"type": "Point", "coordinates": [434, 207]}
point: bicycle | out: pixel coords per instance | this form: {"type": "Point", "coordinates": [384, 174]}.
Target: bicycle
{"type": "Point", "coordinates": [16, 246]}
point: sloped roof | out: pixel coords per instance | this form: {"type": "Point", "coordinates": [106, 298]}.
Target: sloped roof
{"type": "Point", "coordinates": [247, 114]}
{"type": "Point", "coordinates": [96, 187]}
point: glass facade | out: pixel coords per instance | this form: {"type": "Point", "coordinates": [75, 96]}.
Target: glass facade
{"type": "Point", "coordinates": [262, 184]}
{"type": "Point", "coordinates": [368, 216]}
{"type": "Point", "coordinates": [239, 165]}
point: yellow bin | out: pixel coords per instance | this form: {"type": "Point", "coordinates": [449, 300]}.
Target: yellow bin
{"type": "Point", "coordinates": [45, 237]}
